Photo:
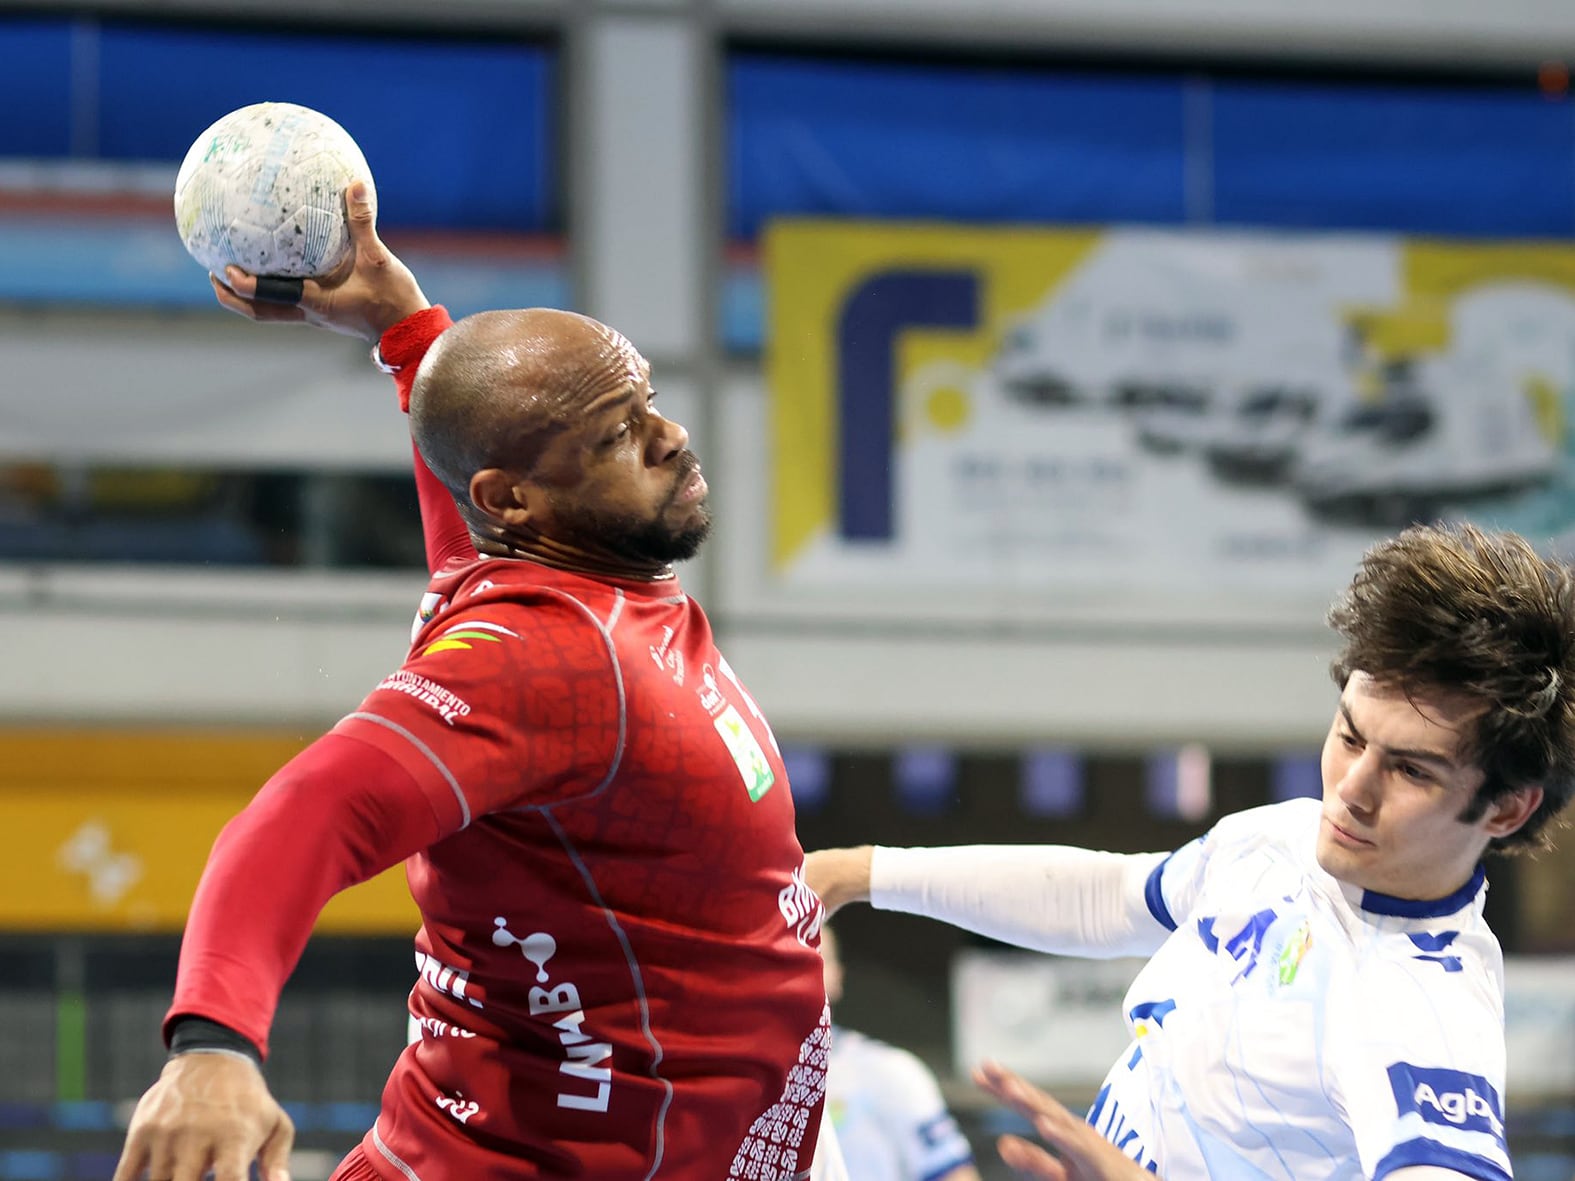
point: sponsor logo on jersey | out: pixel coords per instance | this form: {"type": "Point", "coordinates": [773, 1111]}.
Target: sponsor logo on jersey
{"type": "Point", "coordinates": [589, 1085]}
{"type": "Point", "coordinates": [445, 979]}
{"type": "Point", "coordinates": [460, 1108]}
{"type": "Point", "coordinates": [709, 692]}
{"type": "Point", "coordinates": [432, 603]}
{"type": "Point", "coordinates": [753, 767]}
{"type": "Point", "coordinates": [1448, 1098]}
{"type": "Point", "coordinates": [449, 706]}
{"type": "Point", "coordinates": [1291, 955]}
{"type": "Point", "coordinates": [668, 658]}
{"type": "Point", "coordinates": [1435, 943]}
{"type": "Point", "coordinates": [801, 907]}
{"type": "Point", "coordinates": [1245, 946]}
{"type": "Point", "coordinates": [433, 1027]}
{"type": "Point", "coordinates": [464, 636]}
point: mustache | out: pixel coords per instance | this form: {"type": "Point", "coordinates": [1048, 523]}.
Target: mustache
{"type": "Point", "coordinates": [688, 464]}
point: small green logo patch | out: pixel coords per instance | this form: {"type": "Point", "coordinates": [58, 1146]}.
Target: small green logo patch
{"type": "Point", "coordinates": [753, 767]}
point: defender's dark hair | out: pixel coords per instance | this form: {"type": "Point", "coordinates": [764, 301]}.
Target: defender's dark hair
{"type": "Point", "coordinates": [1457, 609]}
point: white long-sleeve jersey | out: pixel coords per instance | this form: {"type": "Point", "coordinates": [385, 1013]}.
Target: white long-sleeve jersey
{"type": "Point", "coordinates": [1287, 1025]}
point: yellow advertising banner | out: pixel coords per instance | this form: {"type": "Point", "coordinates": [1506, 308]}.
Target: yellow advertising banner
{"type": "Point", "coordinates": [108, 831]}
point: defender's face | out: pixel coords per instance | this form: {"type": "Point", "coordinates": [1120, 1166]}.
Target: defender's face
{"type": "Point", "coordinates": [622, 476]}
{"type": "Point", "coordinates": [1394, 786]}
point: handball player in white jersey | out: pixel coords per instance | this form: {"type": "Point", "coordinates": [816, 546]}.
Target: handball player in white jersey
{"type": "Point", "coordinates": [1322, 999]}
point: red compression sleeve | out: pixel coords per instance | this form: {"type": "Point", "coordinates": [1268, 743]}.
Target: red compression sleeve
{"type": "Point", "coordinates": [401, 349]}
{"type": "Point", "coordinates": [338, 813]}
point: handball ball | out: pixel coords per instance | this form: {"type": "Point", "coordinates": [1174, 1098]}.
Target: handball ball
{"type": "Point", "coordinates": [263, 188]}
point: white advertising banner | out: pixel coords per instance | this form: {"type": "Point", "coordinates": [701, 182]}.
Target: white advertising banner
{"type": "Point", "coordinates": [1155, 414]}
{"type": "Point", "coordinates": [1053, 1019]}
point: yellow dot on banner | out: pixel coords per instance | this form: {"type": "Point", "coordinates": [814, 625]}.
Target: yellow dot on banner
{"type": "Point", "coordinates": [1547, 406]}
{"type": "Point", "coordinates": [947, 408]}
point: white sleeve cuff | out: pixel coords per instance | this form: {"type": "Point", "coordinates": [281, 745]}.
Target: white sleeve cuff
{"type": "Point", "coordinates": [1050, 898]}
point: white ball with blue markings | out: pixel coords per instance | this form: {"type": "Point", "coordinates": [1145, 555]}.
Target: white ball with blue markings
{"type": "Point", "coordinates": [263, 188]}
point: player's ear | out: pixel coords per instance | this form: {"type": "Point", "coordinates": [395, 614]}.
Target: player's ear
{"type": "Point", "coordinates": [501, 496]}
{"type": "Point", "coordinates": [1509, 813]}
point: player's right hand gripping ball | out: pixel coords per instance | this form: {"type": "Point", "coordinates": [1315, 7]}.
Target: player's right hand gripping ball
{"type": "Point", "coordinates": [263, 188]}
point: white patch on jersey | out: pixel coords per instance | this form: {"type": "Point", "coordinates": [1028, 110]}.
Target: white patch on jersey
{"type": "Point", "coordinates": [753, 766]}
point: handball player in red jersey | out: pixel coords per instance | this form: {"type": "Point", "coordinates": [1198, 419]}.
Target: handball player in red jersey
{"type": "Point", "coordinates": [617, 973]}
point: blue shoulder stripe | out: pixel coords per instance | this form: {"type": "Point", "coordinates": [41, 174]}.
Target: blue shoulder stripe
{"type": "Point", "coordinates": [1430, 1152]}
{"type": "Point", "coordinates": [1155, 896]}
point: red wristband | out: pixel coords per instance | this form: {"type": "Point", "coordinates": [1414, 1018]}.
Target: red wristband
{"type": "Point", "coordinates": [401, 348]}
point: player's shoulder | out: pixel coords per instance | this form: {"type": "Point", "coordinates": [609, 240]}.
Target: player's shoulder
{"type": "Point", "coordinates": [1286, 826]}
{"type": "Point", "coordinates": [513, 598]}
{"type": "Point", "coordinates": [1418, 998]}
{"type": "Point", "coordinates": [485, 635]}
{"type": "Point", "coordinates": [1461, 966]}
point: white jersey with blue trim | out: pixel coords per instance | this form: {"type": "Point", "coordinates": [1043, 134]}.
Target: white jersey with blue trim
{"type": "Point", "coordinates": [890, 1118]}
{"type": "Point", "coordinates": [1296, 1027]}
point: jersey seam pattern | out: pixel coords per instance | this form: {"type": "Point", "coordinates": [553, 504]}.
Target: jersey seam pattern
{"type": "Point", "coordinates": [623, 707]}
{"type": "Point", "coordinates": [431, 755]}
{"type": "Point", "coordinates": [639, 985]}
{"type": "Point", "coordinates": [390, 1155]}
{"type": "Point", "coordinates": [1154, 895]}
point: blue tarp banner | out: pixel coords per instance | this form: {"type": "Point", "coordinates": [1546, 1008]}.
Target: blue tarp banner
{"type": "Point", "coordinates": [460, 134]}
{"type": "Point", "coordinates": [836, 138]}
{"type": "Point", "coordinates": [833, 137]}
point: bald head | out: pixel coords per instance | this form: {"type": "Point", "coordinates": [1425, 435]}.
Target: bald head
{"type": "Point", "coordinates": [497, 386]}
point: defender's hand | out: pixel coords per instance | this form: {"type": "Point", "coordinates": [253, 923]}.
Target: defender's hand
{"type": "Point", "coordinates": [368, 295]}
{"type": "Point", "coordinates": [207, 1111]}
{"type": "Point", "coordinates": [839, 876]}
{"type": "Point", "coordinates": [1085, 1155]}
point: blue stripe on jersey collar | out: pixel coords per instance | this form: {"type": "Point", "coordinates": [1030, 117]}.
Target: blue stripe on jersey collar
{"type": "Point", "coordinates": [1428, 908]}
